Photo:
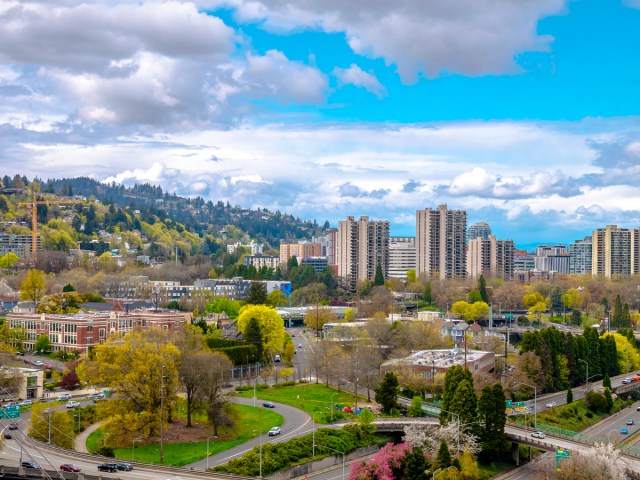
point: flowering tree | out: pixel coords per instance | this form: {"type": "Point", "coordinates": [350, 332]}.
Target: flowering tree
{"type": "Point", "coordinates": [600, 461]}
{"type": "Point", "coordinates": [430, 436]}
{"type": "Point", "coordinates": [387, 464]}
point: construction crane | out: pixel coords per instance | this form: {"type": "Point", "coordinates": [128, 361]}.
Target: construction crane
{"type": "Point", "coordinates": [34, 216]}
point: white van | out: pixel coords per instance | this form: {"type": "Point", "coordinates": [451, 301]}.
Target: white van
{"type": "Point", "coordinates": [276, 358]}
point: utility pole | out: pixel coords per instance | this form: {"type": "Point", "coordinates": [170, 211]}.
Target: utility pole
{"type": "Point", "coordinates": [162, 415]}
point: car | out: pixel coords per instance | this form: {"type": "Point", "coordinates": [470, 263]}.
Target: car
{"type": "Point", "coordinates": [13, 426]}
{"type": "Point", "coordinates": [551, 404]}
{"type": "Point", "coordinates": [638, 408]}
{"type": "Point", "coordinates": [48, 367]}
{"type": "Point", "coordinates": [269, 405]}
{"type": "Point", "coordinates": [29, 464]}
{"type": "Point", "coordinates": [10, 404]}
{"type": "Point", "coordinates": [624, 431]}
{"type": "Point", "coordinates": [124, 466]}
{"type": "Point", "coordinates": [64, 396]}
{"type": "Point", "coordinates": [26, 402]}
{"type": "Point", "coordinates": [630, 421]}
{"type": "Point", "coordinates": [274, 431]}
{"type": "Point", "coordinates": [37, 363]}
{"type": "Point", "coordinates": [537, 434]}
{"type": "Point", "coordinates": [20, 354]}
{"type": "Point", "coordinates": [42, 399]}
{"type": "Point", "coordinates": [98, 396]}
{"type": "Point", "coordinates": [72, 404]}
{"type": "Point", "coordinates": [7, 435]}
{"type": "Point", "coordinates": [626, 380]}
{"type": "Point", "coordinates": [69, 467]}
{"type": "Point", "coordinates": [293, 336]}
{"type": "Point", "coordinates": [108, 467]}
{"type": "Point", "coordinates": [277, 358]}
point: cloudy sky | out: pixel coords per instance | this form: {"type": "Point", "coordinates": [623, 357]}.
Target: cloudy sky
{"type": "Point", "coordinates": [524, 113]}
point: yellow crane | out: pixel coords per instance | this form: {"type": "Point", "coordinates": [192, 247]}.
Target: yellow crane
{"type": "Point", "coordinates": [34, 216]}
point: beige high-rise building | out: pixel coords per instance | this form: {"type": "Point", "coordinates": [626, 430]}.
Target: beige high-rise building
{"type": "Point", "coordinates": [441, 243]}
{"type": "Point", "coordinates": [491, 258]}
{"type": "Point", "coordinates": [360, 246]}
{"type": "Point", "coordinates": [615, 251]}
{"type": "Point", "coordinates": [300, 250]}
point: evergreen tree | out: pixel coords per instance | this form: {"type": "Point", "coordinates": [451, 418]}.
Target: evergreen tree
{"type": "Point", "coordinates": [482, 288]}
{"type": "Point", "coordinates": [379, 278]}
{"type": "Point", "coordinates": [257, 294]}
{"type": "Point", "coordinates": [68, 288]}
{"type": "Point", "coordinates": [426, 294]}
{"type": "Point", "coordinates": [556, 301]}
{"type": "Point", "coordinates": [616, 320]}
{"type": "Point", "coordinates": [253, 335]}
{"type": "Point", "coordinates": [387, 393]}
{"type": "Point", "coordinates": [626, 317]}
{"type": "Point", "coordinates": [609, 400]}
{"type": "Point", "coordinates": [292, 263]}
{"type": "Point", "coordinates": [416, 465]}
{"type": "Point", "coordinates": [443, 460]}
{"type": "Point", "coordinates": [452, 378]}
{"type": "Point", "coordinates": [606, 381]}
{"type": "Point", "coordinates": [464, 402]}
{"type": "Point", "coordinates": [492, 418]}
{"type": "Point", "coordinates": [576, 317]}
{"type": "Point", "coordinates": [474, 296]}
{"type": "Point", "coordinates": [569, 396]}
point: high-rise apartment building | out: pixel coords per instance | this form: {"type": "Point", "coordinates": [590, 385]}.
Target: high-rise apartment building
{"type": "Point", "coordinates": [361, 246]}
{"type": "Point", "coordinates": [441, 242]}
{"type": "Point", "coordinates": [479, 230]}
{"type": "Point", "coordinates": [402, 256]}
{"type": "Point", "coordinates": [615, 251]}
{"type": "Point", "coordinates": [580, 259]}
{"type": "Point", "coordinates": [490, 257]}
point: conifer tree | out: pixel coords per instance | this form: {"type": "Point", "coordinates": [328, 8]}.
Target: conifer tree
{"type": "Point", "coordinates": [443, 459]}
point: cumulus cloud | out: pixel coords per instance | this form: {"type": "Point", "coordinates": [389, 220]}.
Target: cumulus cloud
{"type": "Point", "coordinates": [411, 186]}
{"type": "Point", "coordinates": [354, 75]}
{"type": "Point", "coordinates": [350, 190]}
{"type": "Point", "coordinates": [458, 36]}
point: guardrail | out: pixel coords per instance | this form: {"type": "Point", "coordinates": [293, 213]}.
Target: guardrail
{"type": "Point", "coordinates": [154, 466]}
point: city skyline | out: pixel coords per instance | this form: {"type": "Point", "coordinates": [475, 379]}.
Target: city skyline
{"type": "Point", "coordinates": [527, 118]}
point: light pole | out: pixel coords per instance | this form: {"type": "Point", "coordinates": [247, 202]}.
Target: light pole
{"type": "Point", "coordinates": [332, 407]}
{"type": "Point", "coordinates": [255, 380]}
{"type": "Point", "coordinates": [587, 375]}
{"type": "Point", "coordinates": [161, 414]}
{"type": "Point", "coordinates": [535, 403]}
{"type": "Point", "coordinates": [458, 416]}
{"type": "Point", "coordinates": [212, 436]}
{"type": "Point", "coordinates": [260, 452]}
{"type": "Point", "coordinates": [49, 416]}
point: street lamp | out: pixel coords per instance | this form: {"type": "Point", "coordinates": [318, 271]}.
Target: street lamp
{"type": "Point", "coordinates": [337, 451]}
{"type": "Point", "coordinates": [260, 453]}
{"type": "Point", "coordinates": [212, 436]}
{"type": "Point", "coordinates": [332, 407]}
{"type": "Point", "coordinates": [255, 380]}
{"type": "Point", "coordinates": [458, 416]}
{"type": "Point", "coordinates": [535, 403]}
{"type": "Point", "coordinates": [587, 375]}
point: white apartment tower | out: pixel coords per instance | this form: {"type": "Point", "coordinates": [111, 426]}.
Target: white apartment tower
{"type": "Point", "coordinates": [360, 246]}
{"type": "Point", "coordinates": [615, 251]}
{"type": "Point", "coordinates": [402, 256]}
{"type": "Point", "coordinates": [441, 243]}
{"type": "Point", "coordinates": [490, 257]}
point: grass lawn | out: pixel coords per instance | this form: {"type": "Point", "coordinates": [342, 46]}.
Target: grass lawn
{"type": "Point", "coordinates": [310, 397]}
{"type": "Point", "coordinates": [178, 454]}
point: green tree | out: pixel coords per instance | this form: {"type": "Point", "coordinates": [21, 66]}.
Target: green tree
{"type": "Point", "coordinates": [32, 288]}
{"type": "Point", "coordinates": [606, 381]}
{"type": "Point", "coordinates": [387, 393]}
{"type": "Point", "coordinates": [452, 378]}
{"type": "Point", "coordinates": [426, 293]}
{"type": "Point", "coordinates": [271, 326]}
{"type": "Point", "coordinates": [257, 293]}
{"type": "Point", "coordinates": [474, 296]}
{"type": "Point", "coordinates": [492, 418]}
{"type": "Point", "coordinates": [253, 335]}
{"type": "Point", "coordinates": [608, 400]}
{"type": "Point", "coordinates": [416, 465]}
{"type": "Point", "coordinates": [415, 409]}
{"type": "Point", "coordinates": [616, 319]}
{"type": "Point", "coordinates": [569, 396]}
{"type": "Point", "coordinates": [9, 260]}
{"type": "Point", "coordinates": [292, 263]}
{"type": "Point", "coordinates": [68, 288]}
{"type": "Point", "coordinates": [482, 289]}
{"type": "Point", "coordinates": [61, 427]}
{"type": "Point", "coordinates": [464, 402]}
{"type": "Point", "coordinates": [556, 301]}
{"type": "Point", "coordinates": [379, 278]}
{"type": "Point", "coordinates": [443, 459]}
{"type": "Point", "coordinates": [576, 317]}
{"type": "Point", "coordinates": [276, 298]}
{"type": "Point", "coordinates": [42, 344]}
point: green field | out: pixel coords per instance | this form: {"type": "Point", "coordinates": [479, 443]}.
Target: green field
{"type": "Point", "coordinates": [310, 397]}
{"type": "Point", "coordinates": [179, 454]}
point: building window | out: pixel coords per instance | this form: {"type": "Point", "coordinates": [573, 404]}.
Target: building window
{"type": "Point", "coordinates": [101, 332]}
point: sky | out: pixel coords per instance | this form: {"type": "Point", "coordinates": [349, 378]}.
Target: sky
{"type": "Point", "coordinates": [525, 113]}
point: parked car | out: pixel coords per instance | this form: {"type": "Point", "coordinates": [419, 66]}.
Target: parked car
{"type": "Point", "coordinates": [124, 466]}
{"type": "Point", "coordinates": [73, 404]}
{"type": "Point", "coordinates": [69, 467]}
{"type": "Point", "coordinates": [13, 426]}
{"type": "Point", "coordinates": [537, 434]}
{"type": "Point", "coordinates": [551, 404]}
{"type": "Point", "coordinates": [624, 431]}
{"type": "Point", "coordinates": [26, 402]}
{"type": "Point", "coordinates": [98, 396]}
{"type": "Point", "coordinates": [7, 435]}
{"type": "Point", "coordinates": [37, 363]}
{"type": "Point", "coordinates": [48, 367]}
{"type": "Point", "coordinates": [630, 421]}
{"type": "Point", "coordinates": [20, 354]}
{"type": "Point", "coordinates": [108, 467]}
{"type": "Point", "coordinates": [42, 399]}
{"type": "Point", "coordinates": [274, 431]}
{"type": "Point", "coordinates": [64, 396]}
{"type": "Point", "coordinates": [277, 358]}
{"type": "Point", "coordinates": [638, 408]}
{"type": "Point", "coordinates": [626, 380]}
{"type": "Point", "coordinates": [29, 464]}
{"type": "Point", "coordinates": [269, 405]}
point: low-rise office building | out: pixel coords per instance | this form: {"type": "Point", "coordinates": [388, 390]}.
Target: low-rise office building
{"type": "Point", "coordinates": [429, 363]}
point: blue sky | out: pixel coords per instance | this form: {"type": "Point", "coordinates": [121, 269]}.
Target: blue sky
{"type": "Point", "coordinates": [523, 113]}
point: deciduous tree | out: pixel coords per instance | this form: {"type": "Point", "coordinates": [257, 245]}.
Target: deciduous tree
{"type": "Point", "coordinates": [387, 393]}
{"type": "Point", "coordinates": [32, 288]}
{"type": "Point", "coordinates": [271, 325]}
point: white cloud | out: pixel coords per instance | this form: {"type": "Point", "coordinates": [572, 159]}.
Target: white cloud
{"type": "Point", "coordinates": [472, 37]}
{"type": "Point", "coordinates": [354, 75]}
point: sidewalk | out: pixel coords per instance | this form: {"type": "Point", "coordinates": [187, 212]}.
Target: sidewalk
{"type": "Point", "coordinates": [80, 442]}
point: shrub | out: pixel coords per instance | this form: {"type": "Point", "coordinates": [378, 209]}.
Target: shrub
{"type": "Point", "coordinates": [105, 451]}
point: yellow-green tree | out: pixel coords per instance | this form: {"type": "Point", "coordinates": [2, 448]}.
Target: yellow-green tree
{"type": "Point", "coordinates": [133, 366]}
{"type": "Point", "coordinates": [8, 260]}
{"type": "Point", "coordinates": [32, 288]}
{"type": "Point", "coordinates": [61, 430]}
{"type": "Point", "coordinates": [533, 298]}
{"type": "Point", "coordinates": [626, 353]}
{"type": "Point", "coordinates": [572, 299]}
{"type": "Point", "coordinates": [271, 325]}
{"type": "Point", "coordinates": [317, 317]}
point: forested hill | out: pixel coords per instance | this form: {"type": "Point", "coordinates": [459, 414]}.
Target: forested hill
{"type": "Point", "coordinates": [195, 214]}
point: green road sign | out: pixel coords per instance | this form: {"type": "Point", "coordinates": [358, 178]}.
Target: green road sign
{"type": "Point", "coordinates": [508, 408]}
{"type": "Point", "coordinates": [13, 411]}
{"type": "Point", "coordinates": [561, 454]}
{"type": "Point", "coordinates": [520, 406]}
